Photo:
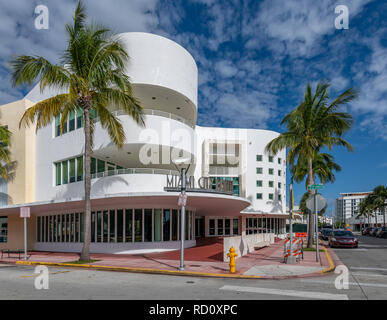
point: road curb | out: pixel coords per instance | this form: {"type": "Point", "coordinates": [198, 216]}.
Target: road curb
{"type": "Point", "coordinates": [331, 264]}
{"type": "Point", "coordinates": [179, 273]}
{"type": "Point", "coordinates": [140, 270]}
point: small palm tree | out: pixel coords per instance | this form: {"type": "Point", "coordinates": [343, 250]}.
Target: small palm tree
{"type": "Point", "coordinates": [314, 124]}
{"type": "Point", "coordinates": [93, 79]}
{"type": "Point", "coordinates": [323, 167]}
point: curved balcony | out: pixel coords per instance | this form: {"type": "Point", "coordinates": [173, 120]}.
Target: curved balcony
{"type": "Point", "coordinates": [116, 172]}
{"type": "Point", "coordinates": [159, 113]}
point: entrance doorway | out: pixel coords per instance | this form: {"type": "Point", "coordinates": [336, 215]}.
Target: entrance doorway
{"type": "Point", "coordinates": [199, 227]}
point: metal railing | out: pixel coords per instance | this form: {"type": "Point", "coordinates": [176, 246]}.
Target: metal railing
{"type": "Point", "coordinates": [116, 172]}
{"type": "Point", "coordinates": [223, 170]}
{"type": "Point", "coordinates": [155, 113]}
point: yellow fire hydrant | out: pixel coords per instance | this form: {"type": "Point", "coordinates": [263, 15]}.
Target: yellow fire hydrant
{"type": "Point", "coordinates": [232, 256]}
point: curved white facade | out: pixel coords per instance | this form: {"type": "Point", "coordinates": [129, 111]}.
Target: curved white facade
{"type": "Point", "coordinates": [135, 181]}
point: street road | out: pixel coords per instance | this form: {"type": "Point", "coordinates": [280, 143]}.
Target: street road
{"type": "Point", "coordinates": [367, 280]}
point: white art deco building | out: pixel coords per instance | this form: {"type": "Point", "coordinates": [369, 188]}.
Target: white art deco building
{"type": "Point", "coordinates": [234, 187]}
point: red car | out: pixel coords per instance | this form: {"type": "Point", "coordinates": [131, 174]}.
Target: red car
{"type": "Point", "coordinates": [342, 238]}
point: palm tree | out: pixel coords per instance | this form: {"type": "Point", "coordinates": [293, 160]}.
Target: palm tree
{"type": "Point", "coordinates": [379, 198]}
{"type": "Point", "coordinates": [323, 166]}
{"type": "Point", "coordinates": [314, 124]}
{"type": "Point", "coordinates": [5, 153]}
{"type": "Point", "coordinates": [92, 75]}
{"type": "Point", "coordinates": [365, 209]}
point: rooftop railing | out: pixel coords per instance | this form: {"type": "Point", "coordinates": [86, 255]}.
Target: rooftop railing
{"type": "Point", "coordinates": [116, 172]}
{"type": "Point", "coordinates": [223, 170]}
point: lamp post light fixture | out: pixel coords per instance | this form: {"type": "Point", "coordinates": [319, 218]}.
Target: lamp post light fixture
{"type": "Point", "coordinates": [182, 164]}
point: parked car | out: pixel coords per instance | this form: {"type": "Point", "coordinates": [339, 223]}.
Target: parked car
{"type": "Point", "coordinates": [366, 231]}
{"type": "Point", "coordinates": [373, 232]}
{"type": "Point", "coordinates": [342, 238]}
{"type": "Point", "coordinates": [325, 233]}
{"type": "Point", "coordinates": [383, 234]}
{"type": "Point", "coordinates": [380, 231]}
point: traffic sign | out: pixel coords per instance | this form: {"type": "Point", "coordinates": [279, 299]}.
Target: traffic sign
{"type": "Point", "coordinates": [320, 202]}
{"type": "Point", "coordinates": [182, 200]}
{"type": "Point", "coordinates": [25, 212]}
{"type": "Point", "coordinates": [315, 186]}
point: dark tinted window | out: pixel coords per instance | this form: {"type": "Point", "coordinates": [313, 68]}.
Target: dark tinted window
{"type": "Point", "coordinates": [343, 233]}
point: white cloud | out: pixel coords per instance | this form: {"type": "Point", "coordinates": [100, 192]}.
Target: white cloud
{"type": "Point", "coordinates": [226, 68]}
{"type": "Point", "coordinates": [297, 24]}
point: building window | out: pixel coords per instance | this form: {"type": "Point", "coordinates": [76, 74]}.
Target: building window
{"type": "Point", "coordinates": [57, 126]}
{"type": "Point", "coordinates": [235, 183]}
{"type": "Point", "coordinates": [279, 160]}
{"type": "Point", "coordinates": [167, 225]}
{"type": "Point", "coordinates": [220, 227]}
{"type": "Point", "coordinates": [279, 198]}
{"type": "Point", "coordinates": [259, 157]}
{"type": "Point", "coordinates": [158, 224]}
{"type": "Point", "coordinates": [147, 225]}
{"type": "Point", "coordinates": [227, 226]}
{"type": "Point", "coordinates": [3, 229]}
{"type": "Point", "coordinates": [79, 168]}
{"type": "Point", "coordinates": [72, 121]}
{"type": "Point", "coordinates": [271, 196]}
{"type": "Point", "coordinates": [259, 183]}
{"type": "Point", "coordinates": [259, 170]}
{"type": "Point", "coordinates": [271, 184]}
{"type": "Point", "coordinates": [79, 118]}
{"type": "Point", "coordinates": [279, 185]}
{"type": "Point", "coordinates": [279, 173]}
{"type": "Point", "coordinates": [138, 225]}
{"type": "Point", "coordinates": [111, 226]}
{"type": "Point", "coordinates": [58, 173]}
{"type": "Point", "coordinates": [271, 158]}
{"type": "Point", "coordinates": [129, 224]}
{"type": "Point", "coordinates": [271, 171]}
{"type": "Point", "coordinates": [259, 195]}
{"type": "Point", "coordinates": [235, 226]}
{"type": "Point", "coordinates": [174, 224]}
{"type": "Point", "coordinates": [65, 173]}
{"type": "Point", "coordinates": [72, 170]}
{"type": "Point", "coordinates": [211, 228]}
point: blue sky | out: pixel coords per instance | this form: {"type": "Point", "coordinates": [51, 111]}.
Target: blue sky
{"type": "Point", "coordinates": [254, 60]}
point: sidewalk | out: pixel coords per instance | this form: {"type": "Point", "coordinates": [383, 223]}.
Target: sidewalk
{"type": "Point", "coordinates": [202, 260]}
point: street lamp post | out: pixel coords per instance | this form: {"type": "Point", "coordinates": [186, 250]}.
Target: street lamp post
{"type": "Point", "coordinates": [182, 220]}
{"type": "Point", "coordinates": [184, 164]}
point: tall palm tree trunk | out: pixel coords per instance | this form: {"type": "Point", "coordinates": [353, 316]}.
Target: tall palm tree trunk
{"type": "Point", "coordinates": [310, 221]}
{"type": "Point", "coordinates": [369, 224]}
{"type": "Point", "coordinates": [85, 255]}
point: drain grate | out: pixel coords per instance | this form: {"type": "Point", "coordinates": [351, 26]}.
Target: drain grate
{"type": "Point", "coordinates": [195, 265]}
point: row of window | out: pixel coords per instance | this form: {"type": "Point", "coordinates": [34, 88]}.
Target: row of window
{"type": "Point", "coordinates": [265, 225]}
{"type": "Point", "coordinates": [220, 227]}
{"type": "Point", "coordinates": [71, 170]}
{"type": "Point", "coordinates": [117, 225]}
{"type": "Point", "coordinates": [270, 171]}
{"type": "Point", "coordinates": [3, 229]}
{"type": "Point", "coordinates": [235, 183]}
{"type": "Point", "coordinates": [270, 158]}
{"type": "Point", "coordinates": [270, 184]}
{"type": "Point", "coordinates": [259, 196]}
{"type": "Point", "coordinates": [74, 121]}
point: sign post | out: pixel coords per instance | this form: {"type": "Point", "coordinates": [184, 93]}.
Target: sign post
{"type": "Point", "coordinates": [25, 213]}
{"type": "Point", "coordinates": [316, 203]}
{"type": "Point", "coordinates": [290, 259]}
